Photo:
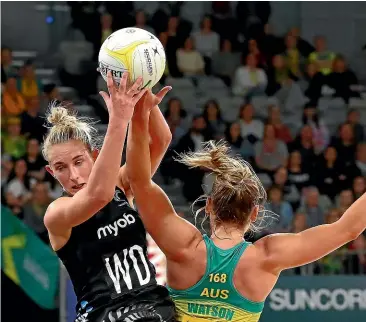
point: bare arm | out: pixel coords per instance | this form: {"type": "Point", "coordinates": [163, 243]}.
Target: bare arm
{"type": "Point", "coordinates": [160, 135]}
{"type": "Point", "coordinates": [154, 206]}
{"type": "Point", "coordinates": [65, 213]}
{"type": "Point", "coordinates": [283, 251]}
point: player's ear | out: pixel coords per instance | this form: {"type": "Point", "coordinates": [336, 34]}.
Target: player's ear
{"type": "Point", "coordinates": [95, 154]}
{"type": "Point", "coordinates": [49, 170]}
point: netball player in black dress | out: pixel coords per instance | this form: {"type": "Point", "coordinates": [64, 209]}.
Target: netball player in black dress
{"type": "Point", "coordinates": [94, 229]}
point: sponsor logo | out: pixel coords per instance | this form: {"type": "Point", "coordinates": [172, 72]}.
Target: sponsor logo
{"type": "Point", "coordinates": [132, 313]}
{"type": "Point", "coordinates": [112, 229]}
{"type": "Point", "coordinates": [148, 62]}
{"type": "Point", "coordinates": [115, 73]}
{"type": "Point", "coordinates": [317, 300]}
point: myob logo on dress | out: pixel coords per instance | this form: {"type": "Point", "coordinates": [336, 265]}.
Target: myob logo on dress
{"type": "Point", "coordinates": [113, 229]}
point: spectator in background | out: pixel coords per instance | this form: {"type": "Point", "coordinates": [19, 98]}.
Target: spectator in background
{"type": "Point", "coordinates": [207, 42]}
{"type": "Point", "coordinates": [13, 143]}
{"type": "Point", "coordinates": [249, 80]}
{"type": "Point", "coordinates": [252, 48]}
{"type": "Point", "coordinates": [304, 47]}
{"type": "Point", "coordinates": [250, 128]}
{"type": "Point", "coordinates": [359, 187]}
{"type": "Point", "coordinates": [345, 144]}
{"type": "Point", "coordinates": [314, 81]}
{"type": "Point", "coordinates": [212, 115]}
{"type": "Point", "coordinates": [12, 101]}
{"type": "Point", "coordinates": [299, 224]}
{"type": "Point", "coordinates": [353, 118]}
{"type": "Point", "coordinates": [327, 172]}
{"type": "Point", "coordinates": [7, 70]}
{"type": "Point", "coordinates": [170, 47]}
{"type": "Point", "coordinates": [281, 130]}
{"type": "Point", "coordinates": [140, 21]}
{"type": "Point", "coordinates": [320, 131]}
{"type": "Point", "coordinates": [289, 190]}
{"type": "Point", "coordinates": [51, 94]}
{"type": "Point", "coordinates": [344, 200]}
{"type": "Point", "coordinates": [281, 208]}
{"type": "Point", "coordinates": [7, 166]}
{"type": "Point", "coordinates": [279, 75]}
{"type": "Point", "coordinates": [225, 62]}
{"type": "Point", "coordinates": [31, 122]}
{"type": "Point", "coordinates": [270, 153]}
{"type": "Point", "coordinates": [189, 60]}
{"type": "Point", "coordinates": [178, 30]}
{"type": "Point", "coordinates": [314, 212]}
{"type": "Point", "coordinates": [176, 116]}
{"type": "Point", "coordinates": [17, 188]}
{"type": "Point", "coordinates": [341, 79]}
{"type": "Point", "coordinates": [238, 145]}
{"type": "Point", "coordinates": [360, 162]}
{"type": "Point", "coordinates": [35, 209]}
{"type": "Point", "coordinates": [293, 56]}
{"type": "Point", "coordinates": [35, 161]}
{"type": "Point", "coordinates": [28, 84]}
{"type": "Point", "coordinates": [192, 141]}
{"type": "Point", "coordinates": [270, 44]}
{"type": "Point", "coordinates": [299, 172]}
{"type": "Point", "coordinates": [106, 21]}
{"type": "Point", "coordinates": [322, 57]}
{"type": "Point", "coordinates": [304, 143]}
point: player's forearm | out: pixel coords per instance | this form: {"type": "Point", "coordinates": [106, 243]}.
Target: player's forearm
{"type": "Point", "coordinates": [354, 220]}
{"type": "Point", "coordinates": [103, 178]}
{"type": "Point", "coordinates": [138, 150]}
{"type": "Point", "coordinates": [160, 137]}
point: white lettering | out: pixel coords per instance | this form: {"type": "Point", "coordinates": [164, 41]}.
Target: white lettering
{"type": "Point", "coordinates": [125, 270]}
{"type": "Point", "coordinates": [118, 268]}
{"type": "Point", "coordinates": [322, 299]}
{"type": "Point", "coordinates": [112, 229]}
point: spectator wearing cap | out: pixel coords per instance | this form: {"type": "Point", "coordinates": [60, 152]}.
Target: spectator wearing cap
{"type": "Point", "coordinates": [249, 80]}
{"type": "Point", "coordinates": [7, 70]}
{"type": "Point", "coordinates": [13, 143]}
{"type": "Point", "coordinates": [28, 84]}
{"type": "Point", "coordinates": [13, 103]}
{"type": "Point", "coordinates": [322, 57]}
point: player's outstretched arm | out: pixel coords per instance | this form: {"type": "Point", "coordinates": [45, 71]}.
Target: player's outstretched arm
{"type": "Point", "coordinates": [65, 213]}
{"type": "Point", "coordinates": [283, 251]}
{"type": "Point", "coordinates": [174, 235]}
{"type": "Point", "coordinates": [159, 133]}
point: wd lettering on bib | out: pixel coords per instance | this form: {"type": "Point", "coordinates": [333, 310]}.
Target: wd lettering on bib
{"type": "Point", "coordinates": [112, 229]}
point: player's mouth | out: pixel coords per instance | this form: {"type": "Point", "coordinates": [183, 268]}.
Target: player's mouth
{"type": "Point", "coordinates": [78, 187]}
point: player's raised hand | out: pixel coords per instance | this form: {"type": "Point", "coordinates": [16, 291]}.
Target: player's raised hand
{"type": "Point", "coordinates": [149, 100]}
{"type": "Point", "coordinates": [121, 101]}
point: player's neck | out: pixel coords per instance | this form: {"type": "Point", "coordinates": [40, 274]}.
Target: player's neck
{"type": "Point", "coordinates": [228, 232]}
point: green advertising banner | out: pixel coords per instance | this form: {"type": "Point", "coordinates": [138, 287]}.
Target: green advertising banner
{"type": "Point", "coordinates": [317, 298]}
{"type": "Point", "coordinates": [27, 261]}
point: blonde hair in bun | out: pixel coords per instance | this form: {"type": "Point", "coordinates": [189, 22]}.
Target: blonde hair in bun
{"type": "Point", "coordinates": [65, 126]}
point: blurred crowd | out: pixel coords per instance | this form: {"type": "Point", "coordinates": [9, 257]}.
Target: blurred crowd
{"type": "Point", "coordinates": [312, 172]}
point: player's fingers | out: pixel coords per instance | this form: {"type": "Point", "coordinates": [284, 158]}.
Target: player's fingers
{"type": "Point", "coordinates": [137, 97]}
{"type": "Point", "coordinates": [123, 82]}
{"type": "Point", "coordinates": [135, 87]}
{"type": "Point", "coordinates": [163, 92]}
{"type": "Point", "coordinates": [105, 97]}
{"type": "Point", "coordinates": [110, 83]}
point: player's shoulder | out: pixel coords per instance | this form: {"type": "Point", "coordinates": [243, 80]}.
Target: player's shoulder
{"type": "Point", "coordinates": [54, 211]}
